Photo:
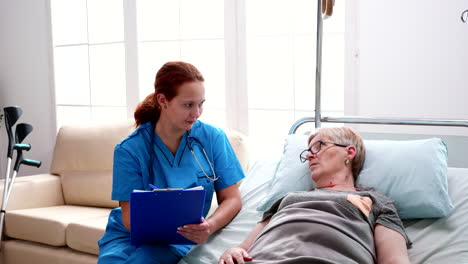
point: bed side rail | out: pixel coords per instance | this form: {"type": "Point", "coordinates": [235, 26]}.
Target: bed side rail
{"type": "Point", "coordinates": [381, 121]}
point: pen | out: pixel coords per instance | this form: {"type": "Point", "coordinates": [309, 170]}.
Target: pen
{"type": "Point", "coordinates": [152, 186]}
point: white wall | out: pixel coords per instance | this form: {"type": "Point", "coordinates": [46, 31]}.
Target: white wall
{"type": "Point", "coordinates": [412, 62]}
{"type": "Point", "coordinates": [26, 77]}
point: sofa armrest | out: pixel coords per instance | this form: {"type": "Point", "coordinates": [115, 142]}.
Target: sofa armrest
{"type": "Point", "coordinates": [240, 146]}
{"type": "Point", "coordinates": [41, 190]}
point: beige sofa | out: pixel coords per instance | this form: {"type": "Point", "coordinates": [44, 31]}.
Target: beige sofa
{"type": "Point", "coordinates": [58, 217]}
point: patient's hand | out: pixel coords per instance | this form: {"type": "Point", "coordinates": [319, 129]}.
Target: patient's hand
{"type": "Point", "coordinates": [234, 255]}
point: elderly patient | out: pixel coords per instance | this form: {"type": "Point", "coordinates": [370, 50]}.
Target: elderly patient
{"type": "Point", "coordinates": [335, 222]}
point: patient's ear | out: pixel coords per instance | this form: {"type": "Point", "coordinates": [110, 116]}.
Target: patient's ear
{"type": "Point", "coordinates": [351, 152]}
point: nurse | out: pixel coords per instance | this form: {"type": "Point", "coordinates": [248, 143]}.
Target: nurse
{"type": "Point", "coordinates": [159, 152]}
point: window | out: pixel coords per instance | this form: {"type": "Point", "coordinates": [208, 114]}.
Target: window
{"type": "Point", "coordinates": [257, 56]}
{"type": "Point", "coordinates": [89, 60]}
{"type": "Point", "coordinates": [281, 47]}
{"type": "Point", "coordinates": [187, 30]}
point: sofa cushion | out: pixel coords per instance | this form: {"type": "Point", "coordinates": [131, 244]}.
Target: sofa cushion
{"type": "Point", "coordinates": [46, 187]}
{"type": "Point", "coordinates": [83, 156]}
{"type": "Point", "coordinates": [83, 235]}
{"type": "Point", "coordinates": [88, 188]}
{"type": "Point", "coordinates": [48, 224]}
{"type": "Point", "coordinates": [20, 251]}
{"type": "Point", "coordinates": [88, 147]}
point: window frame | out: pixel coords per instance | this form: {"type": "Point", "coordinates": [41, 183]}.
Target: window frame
{"type": "Point", "coordinates": [235, 36]}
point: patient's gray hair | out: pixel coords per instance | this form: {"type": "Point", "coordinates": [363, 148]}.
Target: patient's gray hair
{"type": "Point", "coordinates": [345, 136]}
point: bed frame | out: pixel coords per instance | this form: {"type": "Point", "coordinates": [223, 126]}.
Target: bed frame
{"type": "Point", "coordinates": [318, 119]}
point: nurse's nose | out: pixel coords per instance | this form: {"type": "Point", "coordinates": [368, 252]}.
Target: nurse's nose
{"type": "Point", "coordinates": [196, 111]}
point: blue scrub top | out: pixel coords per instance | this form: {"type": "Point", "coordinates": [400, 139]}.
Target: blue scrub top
{"type": "Point", "coordinates": [134, 155]}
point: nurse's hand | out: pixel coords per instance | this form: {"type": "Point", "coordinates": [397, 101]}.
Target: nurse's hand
{"type": "Point", "coordinates": [197, 233]}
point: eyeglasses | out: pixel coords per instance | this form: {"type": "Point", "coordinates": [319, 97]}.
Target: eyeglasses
{"type": "Point", "coordinates": [315, 148]}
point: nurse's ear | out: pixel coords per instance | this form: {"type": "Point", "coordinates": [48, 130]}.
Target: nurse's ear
{"type": "Point", "coordinates": [161, 100]}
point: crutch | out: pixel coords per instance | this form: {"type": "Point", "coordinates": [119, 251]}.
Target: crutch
{"type": "Point", "coordinates": [22, 130]}
{"type": "Point", "coordinates": [12, 114]}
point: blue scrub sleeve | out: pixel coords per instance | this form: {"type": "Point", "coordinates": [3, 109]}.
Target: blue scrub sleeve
{"type": "Point", "coordinates": [127, 174]}
{"type": "Point", "coordinates": [226, 164]}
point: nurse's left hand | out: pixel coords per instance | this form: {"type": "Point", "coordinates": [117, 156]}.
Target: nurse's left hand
{"type": "Point", "coordinates": [197, 233]}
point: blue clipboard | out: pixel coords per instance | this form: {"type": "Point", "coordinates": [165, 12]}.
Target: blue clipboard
{"type": "Point", "coordinates": [156, 215]}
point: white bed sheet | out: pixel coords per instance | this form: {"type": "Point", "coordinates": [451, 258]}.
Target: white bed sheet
{"type": "Point", "coordinates": [442, 240]}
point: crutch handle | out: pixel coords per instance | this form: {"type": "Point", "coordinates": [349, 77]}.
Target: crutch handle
{"type": "Point", "coordinates": [31, 162]}
{"type": "Point", "coordinates": [19, 146]}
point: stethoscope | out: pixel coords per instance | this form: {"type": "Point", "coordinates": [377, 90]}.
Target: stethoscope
{"type": "Point", "coordinates": [190, 141]}
{"type": "Point", "coordinates": [190, 144]}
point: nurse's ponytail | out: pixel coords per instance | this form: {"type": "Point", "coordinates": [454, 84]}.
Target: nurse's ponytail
{"type": "Point", "coordinates": [168, 80]}
{"type": "Point", "coordinates": [147, 111]}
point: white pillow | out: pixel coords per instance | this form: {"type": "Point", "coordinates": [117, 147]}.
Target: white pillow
{"type": "Point", "coordinates": [412, 173]}
{"type": "Point", "coordinates": [292, 174]}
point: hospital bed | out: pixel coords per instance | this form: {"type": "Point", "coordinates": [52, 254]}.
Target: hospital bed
{"type": "Point", "coordinates": [435, 240]}
{"type": "Point", "coordinates": [439, 234]}
{"type": "Point", "coordinates": [431, 197]}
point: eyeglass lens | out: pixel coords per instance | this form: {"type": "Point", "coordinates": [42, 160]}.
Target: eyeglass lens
{"type": "Point", "coordinates": [315, 148]}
